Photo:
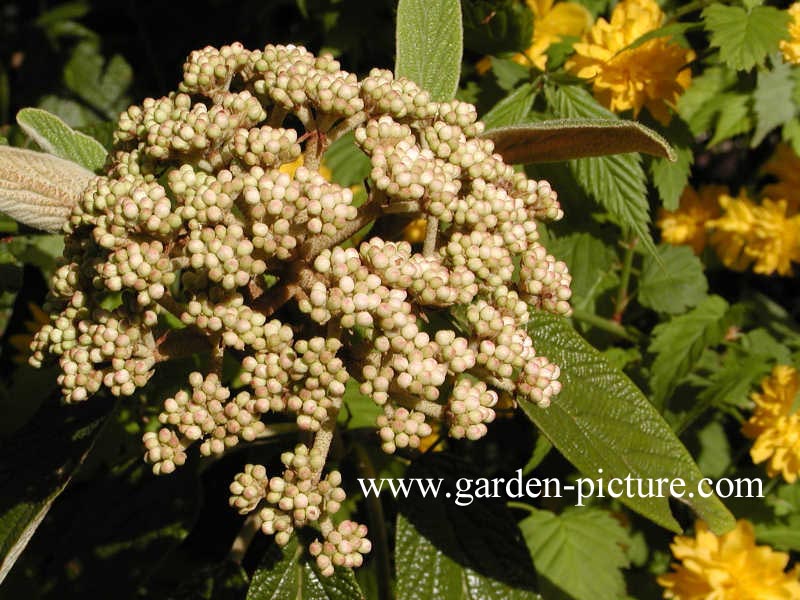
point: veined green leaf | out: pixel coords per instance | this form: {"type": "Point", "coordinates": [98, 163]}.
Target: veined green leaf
{"type": "Point", "coordinates": [289, 572]}
{"type": "Point", "coordinates": [56, 137]}
{"type": "Point", "coordinates": [582, 540]}
{"type": "Point", "coordinates": [674, 283]}
{"type": "Point", "coordinates": [590, 263]}
{"type": "Point", "coordinates": [39, 462]}
{"type": "Point", "coordinates": [429, 45]}
{"type": "Point", "coordinates": [616, 182]}
{"type": "Point", "coordinates": [601, 420]}
{"type": "Point", "coordinates": [348, 164]}
{"type": "Point", "coordinates": [745, 37]}
{"type": "Point", "coordinates": [471, 551]}
{"type": "Point", "coordinates": [512, 109]}
{"type": "Point", "coordinates": [772, 100]}
{"type": "Point", "coordinates": [679, 343]}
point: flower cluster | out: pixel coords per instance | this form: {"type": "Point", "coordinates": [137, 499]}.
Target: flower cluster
{"type": "Point", "coordinates": [214, 210]}
{"type": "Point", "coordinates": [764, 235]}
{"type": "Point", "coordinates": [552, 22]}
{"type": "Point", "coordinates": [652, 75]}
{"type": "Point", "coordinates": [728, 567]}
{"type": "Point", "coordinates": [791, 48]}
{"type": "Point", "coordinates": [775, 424]}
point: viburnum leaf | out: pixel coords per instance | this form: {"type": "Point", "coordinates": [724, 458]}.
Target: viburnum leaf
{"type": "Point", "coordinates": [745, 37]}
{"type": "Point", "coordinates": [678, 344]}
{"type": "Point", "coordinates": [54, 136]}
{"type": "Point", "coordinates": [675, 283]}
{"type": "Point", "coordinates": [583, 540]}
{"type": "Point", "coordinates": [564, 139]}
{"type": "Point", "coordinates": [616, 182]}
{"type": "Point", "coordinates": [289, 572]}
{"type": "Point", "coordinates": [430, 43]}
{"type": "Point", "coordinates": [38, 464]}
{"type": "Point", "coordinates": [601, 420]}
{"type": "Point", "coordinates": [471, 551]}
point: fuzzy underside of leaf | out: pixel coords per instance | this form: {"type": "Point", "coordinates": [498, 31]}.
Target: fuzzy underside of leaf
{"type": "Point", "coordinates": [565, 139]}
{"type": "Point", "coordinates": [39, 189]}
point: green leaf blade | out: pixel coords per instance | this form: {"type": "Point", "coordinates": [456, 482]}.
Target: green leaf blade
{"type": "Point", "coordinates": [580, 540]}
{"type": "Point", "coordinates": [616, 182]}
{"type": "Point", "coordinates": [430, 43]}
{"type": "Point", "coordinates": [678, 344]}
{"type": "Point", "coordinates": [289, 573]}
{"type": "Point", "coordinates": [56, 137]}
{"type": "Point", "coordinates": [31, 480]}
{"type": "Point", "coordinates": [745, 37]}
{"type": "Point", "coordinates": [601, 420]}
{"type": "Point", "coordinates": [672, 280]}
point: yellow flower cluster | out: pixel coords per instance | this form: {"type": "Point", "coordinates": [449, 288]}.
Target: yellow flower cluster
{"type": "Point", "coordinates": [551, 23]}
{"type": "Point", "coordinates": [652, 75]}
{"type": "Point", "coordinates": [744, 233]}
{"type": "Point", "coordinates": [728, 567]}
{"type": "Point", "coordinates": [775, 426]}
{"type": "Point", "coordinates": [791, 48]}
{"type": "Point", "coordinates": [687, 225]}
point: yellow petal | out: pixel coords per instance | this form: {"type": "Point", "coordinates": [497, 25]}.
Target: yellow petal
{"type": "Point", "coordinates": [566, 18]}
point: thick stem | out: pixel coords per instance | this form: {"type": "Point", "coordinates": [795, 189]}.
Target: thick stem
{"type": "Point", "coordinates": [177, 343]}
{"type": "Point", "coordinates": [346, 126]}
{"type": "Point", "coordinates": [431, 231]}
{"type": "Point", "coordinates": [366, 214]}
{"type": "Point", "coordinates": [322, 442]}
{"type": "Point", "coordinates": [244, 538]}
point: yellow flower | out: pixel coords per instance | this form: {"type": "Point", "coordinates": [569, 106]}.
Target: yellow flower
{"type": "Point", "coordinates": [774, 426]}
{"type": "Point", "coordinates": [762, 235]}
{"type": "Point", "coordinates": [728, 567]}
{"type": "Point", "coordinates": [650, 76]}
{"type": "Point", "coordinates": [551, 23]}
{"type": "Point", "coordinates": [414, 232]}
{"type": "Point", "coordinates": [785, 166]}
{"type": "Point", "coordinates": [687, 225]}
{"type": "Point", "coordinates": [791, 47]}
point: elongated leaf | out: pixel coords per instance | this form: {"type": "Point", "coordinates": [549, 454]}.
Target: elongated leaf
{"type": "Point", "coordinates": [56, 137]}
{"type": "Point", "coordinates": [672, 30]}
{"type": "Point", "coordinates": [290, 573]}
{"type": "Point", "coordinates": [38, 463]}
{"type": "Point", "coordinates": [564, 139]}
{"type": "Point", "coordinates": [430, 44]}
{"type": "Point", "coordinates": [601, 420]}
{"type": "Point", "coordinates": [39, 189]}
{"type": "Point", "coordinates": [471, 551]}
{"type": "Point", "coordinates": [580, 540]}
{"type": "Point", "coordinates": [678, 344]}
{"type": "Point", "coordinates": [616, 182]}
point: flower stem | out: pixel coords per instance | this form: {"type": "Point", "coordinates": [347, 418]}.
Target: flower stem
{"type": "Point", "coordinates": [377, 526]}
{"type": "Point", "coordinates": [607, 325]}
{"type": "Point", "coordinates": [431, 231]}
{"type": "Point", "coordinates": [244, 538]}
{"type": "Point", "coordinates": [622, 296]}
